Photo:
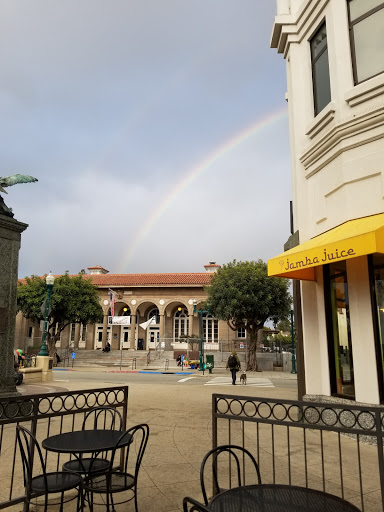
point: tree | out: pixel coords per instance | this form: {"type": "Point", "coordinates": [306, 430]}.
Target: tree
{"type": "Point", "coordinates": [284, 325]}
{"type": "Point", "coordinates": [242, 294]}
{"type": "Point", "coordinates": [74, 300]}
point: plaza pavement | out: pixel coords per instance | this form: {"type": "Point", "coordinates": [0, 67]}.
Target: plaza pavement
{"type": "Point", "coordinates": [179, 417]}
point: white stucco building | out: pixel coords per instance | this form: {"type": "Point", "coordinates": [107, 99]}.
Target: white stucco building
{"type": "Point", "coordinates": [334, 50]}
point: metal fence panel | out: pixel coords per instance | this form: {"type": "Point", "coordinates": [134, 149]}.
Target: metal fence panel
{"type": "Point", "coordinates": [333, 447]}
{"type": "Point", "coordinates": [45, 415]}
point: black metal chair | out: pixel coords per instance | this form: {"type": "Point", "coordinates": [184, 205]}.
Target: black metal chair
{"type": "Point", "coordinates": [102, 417]}
{"type": "Point", "coordinates": [238, 458]}
{"type": "Point", "coordinates": [118, 477]}
{"type": "Point", "coordinates": [44, 483]}
{"type": "Point", "coordinates": [196, 506]}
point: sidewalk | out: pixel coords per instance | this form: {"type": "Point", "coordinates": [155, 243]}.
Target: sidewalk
{"type": "Point", "coordinates": [179, 417]}
{"type": "Point", "coordinates": [180, 420]}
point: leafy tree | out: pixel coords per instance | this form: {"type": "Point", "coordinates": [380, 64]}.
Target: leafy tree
{"type": "Point", "coordinates": [74, 300]}
{"type": "Point", "coordinates": [242, 294]}
{"type": "Point", "coordinates": [284, 325]}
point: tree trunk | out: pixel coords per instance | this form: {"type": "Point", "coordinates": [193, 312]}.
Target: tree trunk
{"type": "Point", "coordinates": [252, 354]}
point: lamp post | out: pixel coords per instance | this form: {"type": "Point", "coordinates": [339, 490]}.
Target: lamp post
{"type": "Point", "coordinates": [201, 313]}
{"type": "Point", "coordinates": [49, 282]}
{"type": "Point", "coordinates": [293, 346]}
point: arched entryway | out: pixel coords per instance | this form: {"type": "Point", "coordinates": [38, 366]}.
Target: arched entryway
{"type": "Point", "coordinates": [153, 329]}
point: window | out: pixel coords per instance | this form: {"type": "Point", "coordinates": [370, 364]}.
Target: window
{"type": "Point", "coordinates": [241, 332]}
{"type": "Point", "coordinates": [72, 337]}
{"type": "Point", "coordinates": [210, 329]}
{"type": "Point", "coordinates": [155, 313]}
{"type": "Point", "coordinates": [30, 332]}
{"type": "Point", "coordinates": [366, 26]}
{"type": "Point", "coordinates": [338, 330]}
{"type": "Point", "coordinates": [181, 323]}
{"type": "Point", "coordinates": [320, 69]}
{"type": "Point", "coordinates": [83, 332]}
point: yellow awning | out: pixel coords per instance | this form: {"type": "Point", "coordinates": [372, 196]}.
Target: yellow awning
{"type": "Point", "coordinates": [354, 238]}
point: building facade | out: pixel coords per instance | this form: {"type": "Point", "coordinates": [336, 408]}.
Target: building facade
{"type": "Point", "coordinates": [334, 54]}
{"type": "Point", "coordinates": [165, 299]}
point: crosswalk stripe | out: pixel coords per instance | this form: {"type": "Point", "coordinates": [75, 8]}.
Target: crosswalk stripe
{"type": "Point", "coordinates": [187, 378]}
{"type": "Point", "coordinates": [227, 381]}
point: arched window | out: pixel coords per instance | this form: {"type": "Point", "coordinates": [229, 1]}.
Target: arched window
{"type": "Point", "coordinates": [154, 312]}
{"type": "Point", "coordinates": [181, 323]}
{"type": "Point", "coordinates": [210, 328]}
{"type": "Point", "coordinates": [127, 311]}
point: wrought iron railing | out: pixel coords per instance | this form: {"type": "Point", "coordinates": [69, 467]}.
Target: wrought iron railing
{"type": "Point", "coordinates": [333, 447]}
{"type": "Point", "coordinates": [45, 415]}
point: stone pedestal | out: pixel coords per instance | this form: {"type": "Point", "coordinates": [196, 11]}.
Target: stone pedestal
{"type": "Point", "coordinates": [10, 236]}
{"type": "Point", "coordinates": [46, 365]}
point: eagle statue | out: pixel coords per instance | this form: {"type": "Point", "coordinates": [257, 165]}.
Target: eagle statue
{"type": "Point", "coordinates": [8, 182]}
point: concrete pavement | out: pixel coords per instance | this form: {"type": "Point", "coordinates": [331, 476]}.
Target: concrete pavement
{"type": "Point", "coordinates": [179, 417]}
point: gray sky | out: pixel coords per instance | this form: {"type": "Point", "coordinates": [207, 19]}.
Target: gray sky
{"type": "Point", "coordinates": [157, 129]}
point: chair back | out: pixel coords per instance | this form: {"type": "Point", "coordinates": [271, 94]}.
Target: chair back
{"type": "Point", "coordinates": [103, 417]}
{"type": "Point", "coordinates": [28, 445]}
{"type": "Point", "coordinates": [132, 453]}
{"type": "Point", "coordinates": [233, 463]}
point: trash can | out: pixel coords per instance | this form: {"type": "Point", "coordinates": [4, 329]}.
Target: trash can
{"type": "Point", "coordinates": [209, 363]}
{"type": "Point", "coordinates": [140, 344]}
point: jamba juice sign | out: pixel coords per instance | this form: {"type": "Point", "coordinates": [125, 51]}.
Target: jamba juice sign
{"type": "Point", "coordinates": [322, 259]}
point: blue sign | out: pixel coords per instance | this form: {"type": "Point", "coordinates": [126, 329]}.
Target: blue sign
{"type": "Point", "coordinates": [182, 358]}
{"type": "Point", "coordinates": [73, 355]}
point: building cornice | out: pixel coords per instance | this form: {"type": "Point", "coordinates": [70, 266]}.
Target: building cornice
{"type": "Point", "coordinates": [292, 28]}
{"type": "Point", "coordinates": [369, 124]}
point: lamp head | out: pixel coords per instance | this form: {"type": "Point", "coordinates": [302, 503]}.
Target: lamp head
{"type": "Point", "coordinates": [49, 280]}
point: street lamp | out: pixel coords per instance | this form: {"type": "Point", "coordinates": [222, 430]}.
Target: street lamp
{"type": "Point", "coordinates": [201, 313]}
{"type": "Point", "coordinates": [293, 346]}
{"type": "Point", "coordinates": [49, 282]}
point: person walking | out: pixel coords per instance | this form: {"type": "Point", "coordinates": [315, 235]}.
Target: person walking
{"type": "Point", "coordinates": [234, 365]}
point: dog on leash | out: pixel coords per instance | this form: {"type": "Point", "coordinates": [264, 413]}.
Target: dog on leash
{"type": "Point", "coordinates": [243, 378]}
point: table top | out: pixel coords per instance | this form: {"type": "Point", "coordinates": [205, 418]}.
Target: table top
{"type": "Point", "coordinates": [278, 498]}
{"type": "Point", "coordinates": [85, 441]}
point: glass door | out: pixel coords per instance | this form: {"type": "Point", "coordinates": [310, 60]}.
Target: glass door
{"type": "Point", "coordinates": [153, 338]}
{"type": "Point", "coordinates": [339, 331]}
{"type": "Point", "coordinates": [125, 337]}
{"type": "Point", "coordinates": [99, 335]}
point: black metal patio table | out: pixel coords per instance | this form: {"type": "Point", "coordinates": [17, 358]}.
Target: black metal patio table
{"type": "Point", "coordinates": [85, 441]}
{"type": "Point", "coordinates": [278, 498]}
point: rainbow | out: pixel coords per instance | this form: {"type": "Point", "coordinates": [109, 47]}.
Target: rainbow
{"type": "Point", "coordinates": [195, 172]}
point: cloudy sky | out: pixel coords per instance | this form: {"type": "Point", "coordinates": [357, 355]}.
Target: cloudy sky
{"type": "Point", "coordinates": [157, 130]}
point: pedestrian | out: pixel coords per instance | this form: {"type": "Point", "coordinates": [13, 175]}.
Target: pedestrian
{"type": "Point", "coordinates": [234, 365]}
{"type": "Point", "coordinates": [178, 360]}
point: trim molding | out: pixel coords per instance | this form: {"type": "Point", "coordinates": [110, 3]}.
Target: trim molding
{"type": "Point", "coordinates": [340, 139]}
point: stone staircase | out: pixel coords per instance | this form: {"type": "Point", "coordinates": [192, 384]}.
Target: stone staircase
{"type": "Point", "coordinates": [129, 359]}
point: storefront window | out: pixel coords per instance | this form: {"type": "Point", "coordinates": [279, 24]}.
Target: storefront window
{"type": "Point", "coordinates": [339, 332]}
{"type": "Point", "coordinates": [378, 311]}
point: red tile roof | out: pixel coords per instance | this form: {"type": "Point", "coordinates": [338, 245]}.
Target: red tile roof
{"type": "Point", "coordinates": [105, 280]}
{"type": "Point", "coordinates": [151, 279]}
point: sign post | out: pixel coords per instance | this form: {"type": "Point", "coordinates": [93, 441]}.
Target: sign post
{"type": "Point", "coordinates": [73, 355]}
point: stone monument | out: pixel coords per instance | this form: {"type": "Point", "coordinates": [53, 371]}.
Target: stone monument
{"type": "Point", "coordinates": [10, 237]}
